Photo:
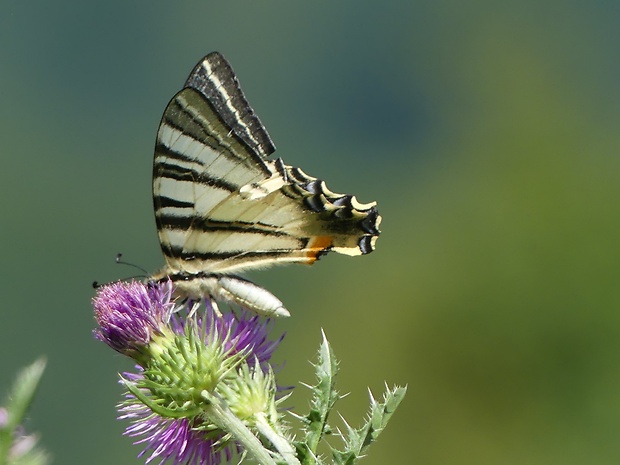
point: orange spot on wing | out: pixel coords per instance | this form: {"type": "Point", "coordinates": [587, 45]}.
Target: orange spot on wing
{"type": "Point", "coordinates": [317, 245]}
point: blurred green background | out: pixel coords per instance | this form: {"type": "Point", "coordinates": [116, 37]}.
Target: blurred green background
{"type": "Point", "coordinates": [488, 134]}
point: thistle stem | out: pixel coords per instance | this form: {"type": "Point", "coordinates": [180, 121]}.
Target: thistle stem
{"type": "Point", "coordinates": [276, 438]}
{"type": "Point", "coordinates": [222, 416]}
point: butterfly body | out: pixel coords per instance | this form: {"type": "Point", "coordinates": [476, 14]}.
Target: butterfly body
{"type": "Point", "coordinates": [222, 206]}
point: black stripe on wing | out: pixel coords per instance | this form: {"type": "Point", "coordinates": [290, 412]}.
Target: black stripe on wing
{"type": "Point", "coordinates": [167, 169]}
{"type": "Point", "coordinates": [215, 79]}
{"type": "Point", "coordinates": [167, 202]}
{"type": "Point", "coordinates": [215, 256]}
{"type": "Point", "coordinates": [197, 223]}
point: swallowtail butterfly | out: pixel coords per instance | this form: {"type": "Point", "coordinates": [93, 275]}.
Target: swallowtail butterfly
{"type": "Point", "coordinates": [222, 206]}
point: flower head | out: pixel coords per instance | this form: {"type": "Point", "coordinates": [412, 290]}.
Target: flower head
{"type": "Point", "coordinates": [189, 364]}
{"type": "Point", "coordinates": [131, 314]}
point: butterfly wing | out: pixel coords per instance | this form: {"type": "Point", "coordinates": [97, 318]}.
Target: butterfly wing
{"type": "Point", "coordinates": [221, 206]}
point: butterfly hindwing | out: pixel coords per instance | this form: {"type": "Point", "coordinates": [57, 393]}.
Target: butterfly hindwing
{"type": "Point", "coordinates": [222, 206]}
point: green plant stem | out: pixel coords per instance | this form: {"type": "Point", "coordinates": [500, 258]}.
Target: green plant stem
{"type": "Point", "coordinates": [221, 415]}
{"type": "Point", "coordinates": [276, 438]}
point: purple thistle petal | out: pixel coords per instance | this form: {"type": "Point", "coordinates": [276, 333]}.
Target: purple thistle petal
{"type": "Point", "coordinates": [129, 314]}
{"type": "Point", "coordinates": [174, 440]}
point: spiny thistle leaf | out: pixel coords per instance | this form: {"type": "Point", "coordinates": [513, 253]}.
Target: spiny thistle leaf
{"type": "Point", "coordinates": [324, 396]}
{"type": "Point", "coordinates": [357, 440]}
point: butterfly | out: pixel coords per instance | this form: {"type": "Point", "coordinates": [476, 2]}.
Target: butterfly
{"type": "Point", "coordinates": [223, 207]}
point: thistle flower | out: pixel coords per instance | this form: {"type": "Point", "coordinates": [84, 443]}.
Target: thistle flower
{"type": "Point", "coordinates": [130, 315]}
{"type": "Point", "coordinates": [203, 380]}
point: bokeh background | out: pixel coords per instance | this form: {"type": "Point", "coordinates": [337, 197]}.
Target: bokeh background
{"type": "Point", "coordinates": [488, 134]}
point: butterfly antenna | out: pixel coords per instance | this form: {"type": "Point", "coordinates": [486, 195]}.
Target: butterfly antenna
{"type": "Point", "coordinates": [121, 262]}
{"type": "Point", "coordinates": [97, 284]}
